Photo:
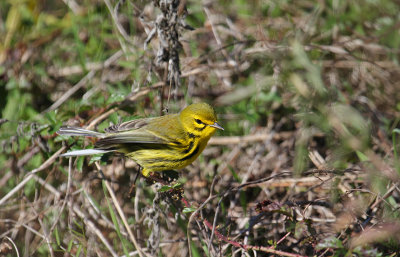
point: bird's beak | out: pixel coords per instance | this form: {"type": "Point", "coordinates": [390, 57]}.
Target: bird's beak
{"type": "Point", "coordinates": [217, 126]}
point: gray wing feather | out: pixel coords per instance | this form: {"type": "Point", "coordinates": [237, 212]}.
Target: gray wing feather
{"type": "Point", "coordinates": [139, 137]}
{"type": "Point", "coordinates": [129, 125]}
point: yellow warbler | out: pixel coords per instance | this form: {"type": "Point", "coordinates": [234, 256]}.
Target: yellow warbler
{"type": "Point", "coordinates": [162, 143]}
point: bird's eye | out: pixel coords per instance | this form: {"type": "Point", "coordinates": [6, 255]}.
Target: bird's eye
{"type": "Point", "coordinates": [198, 121]}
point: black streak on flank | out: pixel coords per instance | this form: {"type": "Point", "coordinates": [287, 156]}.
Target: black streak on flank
{"type": "Point", "coordinates": [189, 148]}
{"type": "Point", "coordinates": [195, 151]}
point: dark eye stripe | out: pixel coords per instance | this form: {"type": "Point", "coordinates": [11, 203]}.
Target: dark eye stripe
{"type": "Point", "coordinates": [201, 129]}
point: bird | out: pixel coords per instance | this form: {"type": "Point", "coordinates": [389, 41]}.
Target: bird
{"type": "Point", "coordinates": [157, 144]}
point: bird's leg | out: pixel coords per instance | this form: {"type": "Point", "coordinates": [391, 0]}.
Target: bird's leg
{"type": "Point", "coordinates": [134, 182]}
{"type": "Point", "coordinates": [137, 174]}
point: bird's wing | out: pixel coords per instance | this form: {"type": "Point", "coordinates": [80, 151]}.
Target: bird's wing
{"type": "Point", "coordinates": [148, 131]}
{"type": "Point", "coordinates": [130, 137]}
{"type": "Point", "coordinates": [128, 125]}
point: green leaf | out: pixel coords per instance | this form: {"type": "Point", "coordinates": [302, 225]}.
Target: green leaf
{"type": "Point", "coordinates": [394, 132]}
{"type": "Point", "coordinates": [205, 249]}
{"type": "Point", "coordinates": [177, 185]}
{"type": "Point", "coordinates": [243, 200]}
{"type": "Point", "coordinates": [362, 157]}
{"type": "Point", "coordinates": [164, 188]}
{"type": "Point", "coordinates": [114, 219]}
{"type": "Point", "coordinates": [29, 188]}
{"type": "Point", "coordinates": [57, 236]}
{"type": "Point", "coordinates": [95, 158]}
{"type": "Point", "coordinates": [330, 242]}
{"type": "Point", "coordinates": [114, 118]}
{"type": "Point", "coordinates": [115, 97]}
{"type": "Point", "coordinates": [195, 251]}
{"type": "Point", "coordinates": [78, 252]}
{"type": "Point", "coordinates": [234, 174]}
{"type": "Point", "coordinates": [300, 228]}
{"type": "Point", "coordinates": [189, 210]}
{"type": "Point", "coordinates": [70, 244]}
{"type": "Point", "coordinates": [51, 117]}
{"type": "Point", "coordinates": [79, 162]}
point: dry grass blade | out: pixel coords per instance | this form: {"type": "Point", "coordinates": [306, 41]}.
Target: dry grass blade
{"type": "Point", "coordinates": [77, 210]}
{"type": "Point", "coordinates": [29, 176]}
{"type": "Point", "coordinates": [82, 82]}
{"type": "Point", "coordinates": [122, 215]}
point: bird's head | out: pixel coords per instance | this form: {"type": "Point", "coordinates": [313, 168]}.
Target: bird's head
{"type": "Point", "coordinates": [200, 120]}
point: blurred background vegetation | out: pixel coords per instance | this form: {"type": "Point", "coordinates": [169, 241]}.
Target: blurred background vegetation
{"type": "Point", "coordinates": [307, 91]}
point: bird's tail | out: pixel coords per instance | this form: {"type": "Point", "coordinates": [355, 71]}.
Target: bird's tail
{"type": "Point", "coordinates": [75, 131]}
{"type": "Point", "coordinates": [85, 152]}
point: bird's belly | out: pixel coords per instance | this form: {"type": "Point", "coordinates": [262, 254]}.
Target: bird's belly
{"type": "Point", "coordinates": [166, 159]}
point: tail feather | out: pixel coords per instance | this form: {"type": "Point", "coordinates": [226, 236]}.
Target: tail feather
{"type": "Point", "coordinates": [85, 152]}
{"type": "Point", "coordinates": [76, 131]}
